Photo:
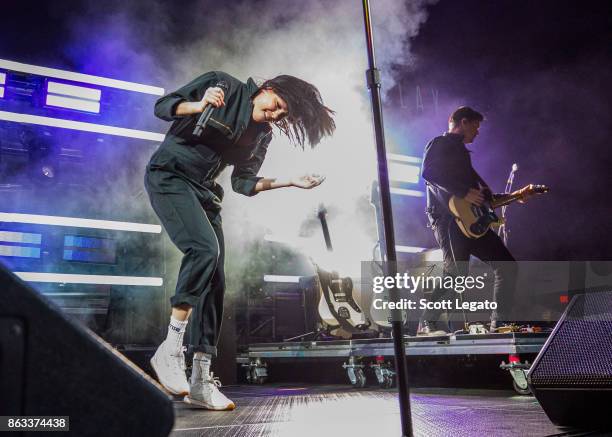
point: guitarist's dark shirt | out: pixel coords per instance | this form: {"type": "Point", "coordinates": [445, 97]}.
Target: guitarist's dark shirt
{"type": "Point", "coordinates": [448, 171]}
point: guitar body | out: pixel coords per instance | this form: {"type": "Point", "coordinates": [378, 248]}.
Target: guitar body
{"type": "Point", "coordinates": [337, 305]}
{"type": "Point", "coordinates": [474, 221]}
{"type": "Point", "coordinates": [338, 308]}
{"type": "Point", "coordinates": [325, 314]}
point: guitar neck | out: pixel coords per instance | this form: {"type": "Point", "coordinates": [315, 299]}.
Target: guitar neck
{"type": "Point", "coordinates": [506, 199]}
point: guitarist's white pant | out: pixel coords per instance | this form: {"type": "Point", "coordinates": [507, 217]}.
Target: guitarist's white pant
{"type": "Point", "coordinates": [456, 251]}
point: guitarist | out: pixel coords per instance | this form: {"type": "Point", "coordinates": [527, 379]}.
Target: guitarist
{"type": "Point", "coordinates": [447, 170]}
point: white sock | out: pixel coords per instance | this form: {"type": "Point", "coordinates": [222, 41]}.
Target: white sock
{"type": "Point", "coordinates": [174, 340]}
{"type": "Point", "coordinates": [201, 367]}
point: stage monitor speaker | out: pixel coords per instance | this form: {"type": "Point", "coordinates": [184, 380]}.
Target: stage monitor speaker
{"type": "Point", "coordinates": [51, 366]}
{"type": "Point", "coordinates": [224, 365]}
{"type": "Point", "coordinates": [572, 375]}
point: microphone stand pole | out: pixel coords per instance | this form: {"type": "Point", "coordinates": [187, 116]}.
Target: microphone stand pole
{"type": "Point", "coordinates": [373, 81]}
{"type": "Point", "coordinates": [503, 230]}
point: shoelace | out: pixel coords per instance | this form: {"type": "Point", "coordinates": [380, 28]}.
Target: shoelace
{"type": "Point", "coordinates": [215, 380]}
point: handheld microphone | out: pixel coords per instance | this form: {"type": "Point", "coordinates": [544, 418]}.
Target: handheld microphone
{"type": "Point", "coordinates": [205, 115]}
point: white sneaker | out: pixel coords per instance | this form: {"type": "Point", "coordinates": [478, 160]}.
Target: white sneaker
{"type": "Point", "coordinates": [205, 394]}
{"type": "Point", "coordinates": [170, 371]}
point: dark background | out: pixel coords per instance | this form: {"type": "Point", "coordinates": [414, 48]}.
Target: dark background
{"type": "Point", "coordinates": [539, 70]}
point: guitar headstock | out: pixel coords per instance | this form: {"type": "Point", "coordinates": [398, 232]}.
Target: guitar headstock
{"type": "Point", "coordinates": [534, 189]}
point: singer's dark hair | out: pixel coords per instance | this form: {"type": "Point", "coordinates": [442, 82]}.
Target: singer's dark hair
{"type": "Point", "coordinates": [307, 117]}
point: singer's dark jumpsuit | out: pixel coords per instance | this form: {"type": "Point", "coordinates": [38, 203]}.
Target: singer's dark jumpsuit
{"type": "Point", "coordinates": [180, 181]}
{"type": "Point", "coordinates": [447, 168]}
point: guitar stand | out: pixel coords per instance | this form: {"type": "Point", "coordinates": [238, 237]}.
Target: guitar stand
{"type": "Point", "coordinates": [319, 334]}
{"type": "Point", "coordinates": [301, 336]}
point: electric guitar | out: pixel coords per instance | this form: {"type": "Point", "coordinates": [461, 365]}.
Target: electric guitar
{"type": "Point", "coordinates": [337, 305]}
{"type": "Point", "coordinates": [474, 221]}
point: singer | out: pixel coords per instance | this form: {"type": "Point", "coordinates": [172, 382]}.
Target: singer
{"type": "Point", "coordinates": [180, 181]}
{"type": "Point", "coordinates": [448, 171]}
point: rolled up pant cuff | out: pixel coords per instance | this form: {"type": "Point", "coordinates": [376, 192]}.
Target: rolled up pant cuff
{"type": "Point", "coordinates": [206, 348]}
{"type": "Point", "coordinates": [184, 299]}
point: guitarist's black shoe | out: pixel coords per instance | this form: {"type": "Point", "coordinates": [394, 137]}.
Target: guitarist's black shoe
{"type": "Point", "coordinates": [430, 329]}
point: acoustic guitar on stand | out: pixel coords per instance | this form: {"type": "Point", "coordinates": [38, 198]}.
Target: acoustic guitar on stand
{"type": "Point", "coordinates": [474, 221]}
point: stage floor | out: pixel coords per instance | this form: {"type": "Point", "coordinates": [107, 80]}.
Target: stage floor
{"type": "Point", "coordinates": [298, 410]}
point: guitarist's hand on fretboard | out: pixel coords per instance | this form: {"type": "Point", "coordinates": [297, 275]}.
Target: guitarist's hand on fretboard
{"type": "Point", "coordinates": [525, 198]}
{"type": "Point", "coordinates": [522, 195]}
{"type": "Point", "coordinates": [527, 192]}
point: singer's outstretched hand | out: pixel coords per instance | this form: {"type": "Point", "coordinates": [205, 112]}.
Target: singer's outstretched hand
{"type": "Point", "coordinates": [307, 181]}
{"type": "Point", "coordinates": [213, 96]}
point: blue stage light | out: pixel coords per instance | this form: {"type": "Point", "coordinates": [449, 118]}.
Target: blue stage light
{"type": "Point", "coordinates": [80, 92]}
{"type": "Point", "coordinates": [80, 77]}
{"type": "Point", "coordinates": [70, 103]}
{"type": "Point", "coordinates": [281, 278]}
{"type": "Point", "coordinates": [20, 237]}
{"type": "Point", "coordinates": [20, 251]}
{"type": "Point", "coordinates": [409, 249]}
{"type": "Point", "coordinates": [404, 173]}
{"type": "Point", "coordinates": [75, 222]}
{"type": "Point", "coordinates": [80, 126]}
{"type": "Point", "coordinates": [89, 249]}
{"type": "Point", "coordinates": [403, 158]}
{"type": "Point", "coordinates": [65, 278]}
{"type": "Point", "coordinates": [69, 96]}
{"type": "Point", "coordinates": [14, 250]}
{"type": "Point", "coordinates": [407, 192]}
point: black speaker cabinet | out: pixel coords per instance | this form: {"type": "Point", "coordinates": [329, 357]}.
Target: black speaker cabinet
{"type": "Point", "coordinates": [224, 365]}
{"type": "Point", "coordinates": [572, 375]}
{"type": "Point", "coordinates": [51, 366]}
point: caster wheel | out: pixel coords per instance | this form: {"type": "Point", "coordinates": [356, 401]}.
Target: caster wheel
{"type": "Point", "coordinates": [388, 382]}
{"type": "Point", "coordinates": [255, 378]}
{"type": "Point", "coordinates": [522, 391]}
{"type": "Point", "coordinates": [361, 379]}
